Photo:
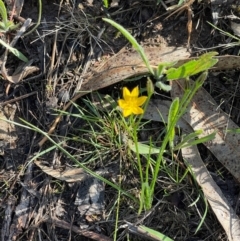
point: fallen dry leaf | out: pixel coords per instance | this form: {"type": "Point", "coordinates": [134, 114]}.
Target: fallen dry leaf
{"type": "Point", "coordinates": [219, 204]}
{"type": "Point", "coordinates": [69, 175]}
{"type": "Point", "coordinates": [203, 114]}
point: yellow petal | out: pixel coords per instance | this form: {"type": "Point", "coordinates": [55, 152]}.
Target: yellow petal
{"type": "Point", "coordinates": [137, 110]}
{"type": "Point", "coordinates": [135, 92]}
{"type": "Point", "coordinates": [141, 100]}
{"type": "Point", "coordinates": [122, 103]}
{"type": "Point", "coordinates": [127, 112]}
{"type": "Point", "coordinates": [126, 93]}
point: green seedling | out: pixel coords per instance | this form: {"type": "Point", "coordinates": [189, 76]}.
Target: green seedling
{"type": "Point", "coordinates": [5, 25]}
{"type": "Point", "coordinates": [105, 3]}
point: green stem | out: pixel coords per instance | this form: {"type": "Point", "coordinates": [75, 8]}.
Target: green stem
{"type": "Point", "coordinates": [185, 100]}
{"type": "Point", "coordinates": [39, 18]}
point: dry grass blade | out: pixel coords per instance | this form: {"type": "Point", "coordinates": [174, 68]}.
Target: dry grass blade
{"type": "Point", "coordinates": [69, 175]}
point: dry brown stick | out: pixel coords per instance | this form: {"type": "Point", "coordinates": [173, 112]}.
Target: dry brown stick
{"type": "Point", "coordinates": [18, 98]}
{"type": "Point", "coordinates": [128, 64]}
{"type": "Point", "coordinates": [85, 233]}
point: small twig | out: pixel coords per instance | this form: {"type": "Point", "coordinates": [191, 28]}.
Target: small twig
{"type": "Point", "coordinates": [18, 98]}
{"type": "Point", "coordinates": [85, 233]}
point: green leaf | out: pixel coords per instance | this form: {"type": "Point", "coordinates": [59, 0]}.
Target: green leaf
{"type": "Point", "coordinates": [146, 196]}
{"type": "Point", "coordinates": [142, 148]}
{"type": "Point", "coordinates": [195, 142]}
{"type": "Point", "coordinates": [163, 86]}
{"type": "Point", "coordinates": [155, 234]}
{"type": "Point", "coordinates": [180, 2]}
{"type": "Point", "coordinates": [173, 111]}
{"type": "Point", "coordinates": [133, 41]}
{"type": "Point", "coordinates": [236, 131]}
{"type": "Point", "coordinates": [10, 25]}
{"type": "Point", "coordinates": [3, 12]}
{"type": "Point", "coordinates": [161, 69]}
{"type": "Point", "coordinates": [105, 3]}
{"type": "Point", "coordinates": [192, 67]}
{"type": "Point", "coordinates": [14, 51]}
{"type": "Point", "coordinates": [187, 138]}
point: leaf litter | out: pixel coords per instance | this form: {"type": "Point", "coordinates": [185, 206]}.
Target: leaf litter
{"type": "Point", "coordinates": [113, 71]}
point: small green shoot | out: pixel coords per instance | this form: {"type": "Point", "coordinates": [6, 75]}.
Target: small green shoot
{"type": "Point", "coordinates": [173, 111]}
{"type": "Point", "coordinates": [235, 131]}
{"type": "Point", "coordinates": [105, 3]}
{"type": "Point", "coordinates": [180, 2]}
{"type": "Point", "coordinates": [5, 24]}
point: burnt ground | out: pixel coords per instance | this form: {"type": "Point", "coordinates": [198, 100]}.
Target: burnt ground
{"type": "Point", "coordinates": [73, 39]}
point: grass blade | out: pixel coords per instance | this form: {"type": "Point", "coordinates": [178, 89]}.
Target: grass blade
{"type": "Point", "coordinates": [14, 51]}
{"type": "Point", "coordinates": [133, 41]}
{"type": "Point", "coordinates": [173, 111]}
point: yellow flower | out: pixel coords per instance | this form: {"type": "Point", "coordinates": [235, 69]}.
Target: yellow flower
{"type": "Point", "coordinates": [130, 104]}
